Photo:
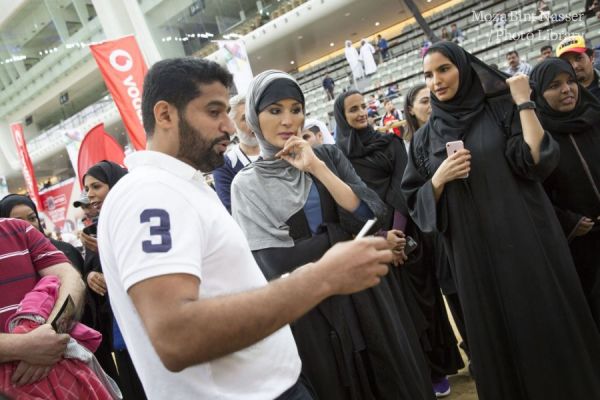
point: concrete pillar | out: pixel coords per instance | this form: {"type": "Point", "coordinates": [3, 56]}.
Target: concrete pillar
{"type": "Point", "coordinates": [120, 18]}
{"type": "Point", "coordinates": [4, 78]}
{"type": "Point", "coordinates": [12, 71]}
{"type": "Point", "coordinates": [82, 11]}
{"type": "Point", "coordinates": [57, 19]}
{"type": "Point", "coordinates": [19, 66]}
{"type": "Point", "coordinates": [7, 148]}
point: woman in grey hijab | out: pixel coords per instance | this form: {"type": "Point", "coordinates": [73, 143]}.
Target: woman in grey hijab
{"type": "Point", "coordinates": [293, 204]}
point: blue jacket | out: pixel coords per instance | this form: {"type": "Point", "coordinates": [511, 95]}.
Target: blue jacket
{"type": "Point", "coordinates": [235, 160]}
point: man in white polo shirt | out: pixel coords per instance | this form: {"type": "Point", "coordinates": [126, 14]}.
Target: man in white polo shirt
{"type": "Point", "coordinates": [199, 319]}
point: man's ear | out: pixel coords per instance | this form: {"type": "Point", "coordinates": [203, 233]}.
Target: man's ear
{"type": "Point", "coordinates": [165, 115]}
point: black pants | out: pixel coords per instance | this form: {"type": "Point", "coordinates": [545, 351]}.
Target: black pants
{"type": "Point", "coordinates": [330, 95]}
{"type": "Point", "coordinates": [297, 392]}
{"type": "Point", "coordinates": [131, 387]}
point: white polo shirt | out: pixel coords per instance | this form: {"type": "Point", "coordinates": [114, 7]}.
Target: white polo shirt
{"type": "Point", "coordinates": [162, 218]}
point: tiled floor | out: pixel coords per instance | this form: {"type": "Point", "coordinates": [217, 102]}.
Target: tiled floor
{"type": "Point", "coordinates": [462, 386]}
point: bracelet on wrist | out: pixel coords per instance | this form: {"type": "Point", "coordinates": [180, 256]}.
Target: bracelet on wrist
{"type": "Point", "coordinates": [526, 105]}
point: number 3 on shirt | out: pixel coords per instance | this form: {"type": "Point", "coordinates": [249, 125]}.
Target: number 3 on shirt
{"type": "Point", "coordinates": [163, 229]}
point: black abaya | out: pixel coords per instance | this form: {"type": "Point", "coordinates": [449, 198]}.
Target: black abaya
{"type": "Point", "coordinates": [355, 347]}
{"type": "Point", "coordinates": [437, 338]}
{"type": "Point", "coordinates": [380, 162]}
{"type": "Point", "coordinates": [530, 333]}
{"type": "Point", "coordinates": [422, 290]}
{"type": "Point", "coordinates": [99, 310]}
{"type": "Point", "coordinates": [71, 253]}
{"type": "Point", "coordinates": [574, 197]}
{"type": "Point", "coordinates": [574, 186]}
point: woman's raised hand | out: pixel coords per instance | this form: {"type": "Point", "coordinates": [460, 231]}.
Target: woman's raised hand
{"type": "Point", "coordinates": [299, 153]}
{"type": "Point", "coordinates": [457, 166]}
{"type": "Point", "coordinates": [519, 88]}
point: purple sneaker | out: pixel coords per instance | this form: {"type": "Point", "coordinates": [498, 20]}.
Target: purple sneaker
{"type": "Point", "coordinates": [441, 387]}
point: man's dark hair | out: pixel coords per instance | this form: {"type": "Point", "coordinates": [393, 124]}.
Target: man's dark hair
{"type": "Point", "coordinates": [452, 25]}
{"type": "Point", "coordinates": [546, 47]}
{"type": "Point", "coordinates": [512, 52]}
{"type": "Point", "coordinates": [177, 81]}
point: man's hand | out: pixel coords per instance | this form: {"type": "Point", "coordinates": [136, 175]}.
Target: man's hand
{"type": "Point", "coordinates": [187, 330]}
{"type": "Point", "coordinates": [399, 257]}
{"type": "Point", "coordinates": [42, 346]}
{"type": "Point", "coordinates": [353, 266]}
{"type": "Point", "coordinates": [26, 373]}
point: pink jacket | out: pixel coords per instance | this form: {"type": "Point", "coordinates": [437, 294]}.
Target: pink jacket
{"type": "Point", "coordinates": [40, 302]}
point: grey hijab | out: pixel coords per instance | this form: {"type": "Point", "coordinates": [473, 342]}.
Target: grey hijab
{"type": "Point", "coordinates": [266, 193]}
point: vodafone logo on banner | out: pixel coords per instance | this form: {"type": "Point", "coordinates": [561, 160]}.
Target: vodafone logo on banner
{"type": "Point", "coordinates": [26, 164]}
{"type": "Point", "coordinates": [114, 60]}
{"type": "Point", "coordinates": [123, 68]}
{"type": "Point", "coordinates": [122, 61]}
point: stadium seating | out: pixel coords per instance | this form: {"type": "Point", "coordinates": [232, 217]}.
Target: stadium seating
{"type": "Point", "coordinates": [525, 34]}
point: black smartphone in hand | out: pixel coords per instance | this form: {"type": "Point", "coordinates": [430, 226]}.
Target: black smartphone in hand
{"type": "Point", "coordinates": [63, 322]}
{"type": "Point", "coordinates": [411, 245]}
{"type": "Point", "coordinates": [91, 230]}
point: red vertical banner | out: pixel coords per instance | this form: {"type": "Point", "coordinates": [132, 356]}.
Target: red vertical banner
{"type": "Point", "coordinates": [28, 173]}
{"type": "Point", "coordinates": [123, 68]}
{"type": "Point", "coordinates": [97, 145]}
{"type": "Point", "coordinates": [56, 201]}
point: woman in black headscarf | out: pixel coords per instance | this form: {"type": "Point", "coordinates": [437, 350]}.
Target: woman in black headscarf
{"type": "Point", "coordinates": [380, 161]}
{"type": "Point", "coordinates": [531, 335]}
{"type": "Point", "coordinates": [293, 204]}
{"type": "Point", "coordinates": [98, 181]}
{"type": "Point", "coordinates": [22, 207]}
{"type": "Point", "coordinates": [572, 116]}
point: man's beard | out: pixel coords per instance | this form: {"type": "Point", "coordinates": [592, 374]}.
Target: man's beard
{"type": "Point", "coordinates": [247, 139]}
{"type": "Point", "coordinates": [195, 149]}
{"type": "Point", "coordinates": [580, 76]}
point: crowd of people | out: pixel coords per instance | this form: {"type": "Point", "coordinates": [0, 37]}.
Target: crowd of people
{"type": "Point", "coordinates": [455, 35]}
{"type": "Point", "coordinates": [484, 190]}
